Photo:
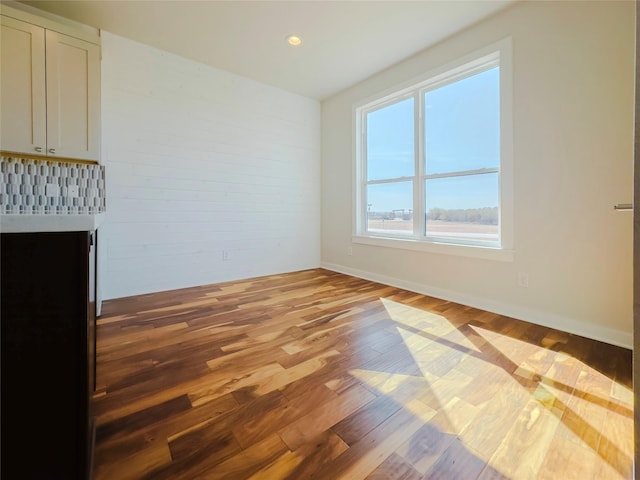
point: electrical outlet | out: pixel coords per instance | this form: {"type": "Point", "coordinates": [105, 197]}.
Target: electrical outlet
{"type": "Point", "coordinates": [73, 191]}
{"type": "Point", "coordinates": [350, 251]}
{"type": "Point", "coordinates": [523, 279]}
{"type": "Point", "coordinates": [225, 255]}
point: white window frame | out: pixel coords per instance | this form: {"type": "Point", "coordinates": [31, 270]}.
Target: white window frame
{"type": "Point", "coordinates": [498, 54]}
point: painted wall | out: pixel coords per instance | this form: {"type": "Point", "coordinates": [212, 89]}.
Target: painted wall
{"type": "Point", "coordinates": [573, 124]}
{"type": "Point", "coordinates": [200, 162]}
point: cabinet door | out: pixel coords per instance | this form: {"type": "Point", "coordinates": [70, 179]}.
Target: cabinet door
{"type": "Point", "coordinates": [22, 87]}
{"type": "Point", "coordinates": [73, 97]}
{"type": "Point", "coordinates": [45, 357]}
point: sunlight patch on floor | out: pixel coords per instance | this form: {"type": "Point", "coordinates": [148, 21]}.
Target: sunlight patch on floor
{"type": "Point", "coordinates": [426, 324]}
{"type": "Point", "coordinates": [546, 403]}
{"type": "Point", "coordinates": [586, 410]}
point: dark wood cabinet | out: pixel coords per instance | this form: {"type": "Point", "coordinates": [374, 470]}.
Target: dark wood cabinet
{"type": "Point", "coordinates": [47, 320]}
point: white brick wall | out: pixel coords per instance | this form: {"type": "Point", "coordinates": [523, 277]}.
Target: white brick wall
{"type": "Point", "coordinates": [199, 162]}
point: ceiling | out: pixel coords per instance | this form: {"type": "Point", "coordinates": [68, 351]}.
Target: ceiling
{"type": "Point", "coordinates": [344, 42]}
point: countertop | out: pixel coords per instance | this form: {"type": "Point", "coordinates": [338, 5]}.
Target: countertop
{"type": "Point", "coordinates": [49, 223]}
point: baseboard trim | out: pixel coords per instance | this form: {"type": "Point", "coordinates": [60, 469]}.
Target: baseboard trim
{"type": "Point", "coordinates": [545, 319]}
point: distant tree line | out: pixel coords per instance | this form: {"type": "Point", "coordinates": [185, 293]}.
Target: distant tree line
{"type": "Point", "coordinates": [390, 215]}
{"type": "Point", "coordinates": [484, 216]}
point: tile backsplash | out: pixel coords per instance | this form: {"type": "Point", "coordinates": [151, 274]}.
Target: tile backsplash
{"type": "Point", "coordinates": [48, 187]}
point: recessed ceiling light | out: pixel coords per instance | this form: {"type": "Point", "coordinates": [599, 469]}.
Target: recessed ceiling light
{"type": "Point", "coordinates": [294, 40]}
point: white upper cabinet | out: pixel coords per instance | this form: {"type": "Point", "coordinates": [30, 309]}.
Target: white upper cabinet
{"type": "Point", "coordinates": [50, 92]}
{"type": "Point", "coordinates": [73, 97]}
{"type": "Point", "coordinates": [22, 87]}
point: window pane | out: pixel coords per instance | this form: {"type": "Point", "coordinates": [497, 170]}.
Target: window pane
{"type": "Point", "coordinates": [462, 124]}
{"type": "Point", "coordinates": [463, 208]}
{"type": "Point", "coordinates": [390, 208]}
{"type": "Point", "coordinates": [390, 135]}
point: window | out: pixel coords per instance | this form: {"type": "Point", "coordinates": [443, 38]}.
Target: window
{"type": "Point", "coordinates": [433, 159]}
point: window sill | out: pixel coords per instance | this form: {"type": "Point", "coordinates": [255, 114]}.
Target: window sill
{"type": "Point", "coordinates": [486, 253]}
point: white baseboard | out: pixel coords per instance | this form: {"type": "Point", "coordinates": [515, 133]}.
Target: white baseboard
{"type": "Point", "coordinates": [545, 319]}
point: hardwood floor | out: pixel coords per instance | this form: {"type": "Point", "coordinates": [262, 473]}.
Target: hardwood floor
{"type": "Point", "coordinates": [318, 375]}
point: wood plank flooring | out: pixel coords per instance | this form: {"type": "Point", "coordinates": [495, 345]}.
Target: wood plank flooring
{"type": "Point", "coordinates": [318, 375]}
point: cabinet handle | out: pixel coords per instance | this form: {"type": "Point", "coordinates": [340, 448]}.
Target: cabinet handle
{"type": "Point", "coordinates": [52, 150]}
{"type": "Point", "coordinates": [38, 149]}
